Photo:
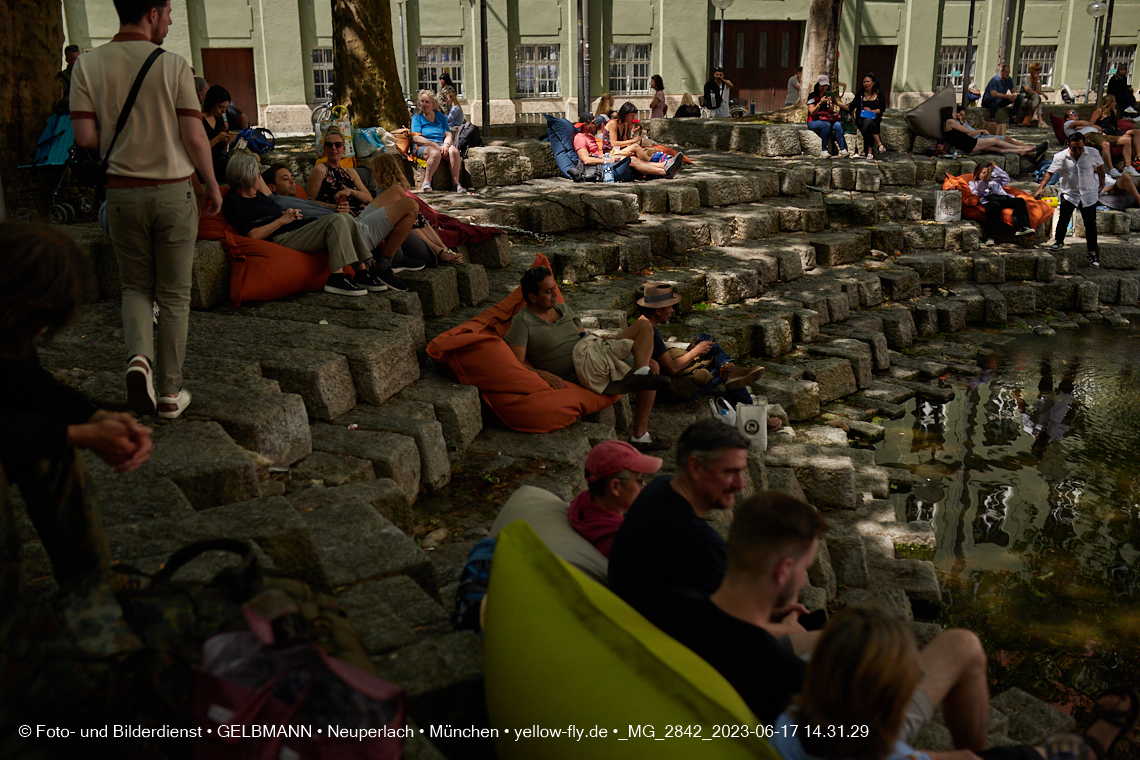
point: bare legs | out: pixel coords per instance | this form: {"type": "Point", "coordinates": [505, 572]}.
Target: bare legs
{"type": "Point", "coordinates": [954, 675]}
{"type": "Point", "coordinates": [433, 154]}
{"type": "Point", "coordinates": [995, 145]}
{"type": "Point", "coordinates": [641, 332]}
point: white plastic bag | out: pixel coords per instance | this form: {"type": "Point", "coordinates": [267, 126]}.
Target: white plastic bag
{"type": "Point", "coordinates": [722, 410]}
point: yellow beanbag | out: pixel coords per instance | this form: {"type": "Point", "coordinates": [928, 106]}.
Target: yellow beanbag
{"type": "Point", "coordinates": [562, 651]}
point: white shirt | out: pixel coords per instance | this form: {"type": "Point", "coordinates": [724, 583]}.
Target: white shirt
{"type": "Point", "coordinates": [1079, 183]}
{"type": "Point", "coordinates": [722, 112]}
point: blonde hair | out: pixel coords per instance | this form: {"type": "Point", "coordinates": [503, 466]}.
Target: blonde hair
{"type": "Point", "coordinates": [1035, 68]}
{"type": "Point", "coordinates": [687, 100]}
{"type": "Point", "coordinates": [863, 672]}
{"type": "Point", "coordinates": [387, 171]}
{"type": "Point", "coordinates": [448, 92]}
{"type": "Point", "coordinates": [331, 131]}
{"type": "Point", "coordinates": [1107, 103]}
{"type": "Point", "coordinates": [605, 104]}
{"type": "Point", "coordinates": [434, 100]}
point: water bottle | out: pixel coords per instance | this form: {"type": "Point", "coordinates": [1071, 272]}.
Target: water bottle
{"type": "Point", "coordinates": [608, 169]}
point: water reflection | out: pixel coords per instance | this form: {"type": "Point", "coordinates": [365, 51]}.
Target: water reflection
{"type": "Point", "coordinates": [1029, 477]}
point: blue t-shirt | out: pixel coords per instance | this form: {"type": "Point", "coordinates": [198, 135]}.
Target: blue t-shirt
{"type": "Point", "coordinates": [996, 84]}
{"type": "Point", "coordinates": [432, 130]}
{"type": "Point", "coordinates": [790, 748]}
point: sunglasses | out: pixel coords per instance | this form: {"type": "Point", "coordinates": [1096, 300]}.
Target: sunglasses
{"type": "Point", "coordinates": [334, 145]}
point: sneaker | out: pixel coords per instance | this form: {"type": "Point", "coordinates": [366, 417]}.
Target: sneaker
{"type": "Point", "coordinates": [1040, 151]}
{"type": "Point", "coordinates": [674, 164]}
{"type": "Point", "coordinates": [140, 386]}
{"type": "Point", "coordinates": [650, 381]}
{"type": "Point", "coordinates": [392, 281]}
{"type": "Point", "coordinates": [648, 443]}
{"type": "Point", "coordinates": [1024, 231]}
{"type": "Point", "coordinates": [341, 285]}
{"type": "Point", "coordinates": [1094, 259]}
{"type": "Point", "coordinates": [989, 241]}
{"type": "Point", "coordinates": [367, 279]}
{"type": "Point", "coordinates": [172, 407]}
{"type": "Point", "coordinates": [824, 154]}
{"type": "Point", "coordinates": [843, 153]}
{"type": "Point", "coordinates": [1131, 171]}
{"type": "Point", "coordinates": [1114, 173]}
{"type": "Point", "coordinates": [1056, 246]}
{"type": "Point", "coordinates": [402, 263]}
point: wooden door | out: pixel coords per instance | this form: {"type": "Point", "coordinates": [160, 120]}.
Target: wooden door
{"type": "Point", "coordinates": [759, 56]}
{"type": "Point", "coordinates": [879, 59]}
{"type": "Point", "coordinates": [232, 68]}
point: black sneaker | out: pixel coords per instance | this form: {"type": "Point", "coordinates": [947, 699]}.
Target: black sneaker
{"type": "Point", "coordinates": [1056, 246]}
{"type": "Point", "coordinates": [1024, 231]}
{"type": "Point", "coordinates": [1094, 259]}
{"type": "Point", "coordinates": [366, 278]}
{"type": "Point", "coordinates": [402, 263]}
{"type": "Point", "coordinates": [674, 164]}
{"type": "Point", "coordinates": [341, 285]}
{"type": "Point", "coordinates": [391, 280]}
{"type": "Point", "coordinates": [1040, 151]}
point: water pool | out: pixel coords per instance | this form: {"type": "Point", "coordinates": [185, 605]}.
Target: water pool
{"type": "Point", "coordinates": [1031, 479]}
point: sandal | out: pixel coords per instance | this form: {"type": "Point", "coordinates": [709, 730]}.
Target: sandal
{"type": "Point", "coordinates": [448, 256]}
{"type": "Point", "coordinates": [425, 187]}
{"type": "Point", "coordinates": [1124, 720]}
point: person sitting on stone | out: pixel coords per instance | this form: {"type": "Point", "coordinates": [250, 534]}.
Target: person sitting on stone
{"type": "Point", "coordinates": [589, 154]}
{"type": "Point", "coordinates": [332, 184]}
{"type": "Point", "coordinates": [1119, 88]}
{"type": "Point", "coordinates": [688, 109]}
{"type": "Point", "coordinates": [703, 365]}
{"type": "Point", "coordinates": [665, 542]}
{"type": "Point", "coordinates": [989, 184]}
{"type": "Point", "coordinates": [375, 222]}
{"type": "Point", "coordinates": [1119, 193]}
{"type": "Point", "coordinates": [999, 97]}
{"type": "Point", "coordinates": [451, 104]}
{"type": "Point", "coordinates": [43, 423]}
{"type": "Point", "coordinates": [249, 208]}
{"type": "Point", "coordinates": [615, 475]}
{"type": "Point", "coordinates": [824, 116]}
{"type": "Point", "coordinates": [1031, 96]}
{"type": "Point", "coordinates": [435, 141]}
{"type": "Point", "coordinates": [957, 133]}
{"type": "Point", "coordinates": [748, 626]}
{"type": "Point", "coordinates": [1094, 136]}
{"type": "Point", "coordinates": [392, 187]}
{"type": "Point", "coordinates": [547, 338]}
{"type": "Point", "coordinates": [1105, 118]}
{"type": "Point", "coordinates": [866, 672]}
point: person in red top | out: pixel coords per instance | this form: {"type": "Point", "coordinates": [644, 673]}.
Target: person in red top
{"type": "Point", "coordinates": [589, 152]}
{"type": "Point", "coordinates": [615, 473]}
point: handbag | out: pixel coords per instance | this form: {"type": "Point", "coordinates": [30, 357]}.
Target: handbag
{"type": "Point", "coordinates": [95, 174]}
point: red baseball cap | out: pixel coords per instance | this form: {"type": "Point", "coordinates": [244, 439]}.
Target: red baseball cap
{"type": "Point", "coordinates": [611, 457]}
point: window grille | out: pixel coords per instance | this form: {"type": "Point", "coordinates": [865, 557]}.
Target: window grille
{"type": "Point", "coordinates": [322, 74]}
{"type": "Point", "coordinates": [434, 60]}
{"type": "Point", "coordinates": [629, 69]}
{"type": "Point", "coordinates": [536, 71]}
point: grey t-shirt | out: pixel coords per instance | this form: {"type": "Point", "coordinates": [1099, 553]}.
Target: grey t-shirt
{"type": "Point", "coordinates": [308, 208]}
{"type": "Point", "coordinates": [549, 346]}
{"type": "Point", "coordinates": [793, 90]}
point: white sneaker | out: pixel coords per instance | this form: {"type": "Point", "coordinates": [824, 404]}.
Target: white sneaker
{"type": "Point", "coordinates": [824, 154]}
{"type": "Point", "coordinates": [1114, 173]}
{"type": "Point", "coordinates": [172, 407]}
{"type": "Point", "coordinates": [843, 153]}
{"type": "Point", "coordinates": [1131, 172]}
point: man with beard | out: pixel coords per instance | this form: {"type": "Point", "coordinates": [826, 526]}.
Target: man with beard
{"type": "Point", "coordinates": [749, 628]}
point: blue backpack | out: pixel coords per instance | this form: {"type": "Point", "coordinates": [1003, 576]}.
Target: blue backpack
{"type": "Point", "coordinates": [259, 139]}
{"type": "Point", "coordinates": [473, 586]}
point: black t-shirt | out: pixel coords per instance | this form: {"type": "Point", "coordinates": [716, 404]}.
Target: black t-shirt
{"type": "Point", "coordinates": [663, 545]}
{"type": "Point", "coordinates": [659, 346]}
{"type": "Point", "coordinates": [763, 669]}
{"type": "Point", "coordinates": [244, 214]}
{"type": "Point", "coordinates": [35, 410]}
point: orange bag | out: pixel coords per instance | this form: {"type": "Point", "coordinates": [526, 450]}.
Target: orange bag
{"type": "Point", "coordinates": [476, 353]}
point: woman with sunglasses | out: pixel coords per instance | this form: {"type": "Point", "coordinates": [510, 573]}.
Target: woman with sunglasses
{"type": "Point", "coordinates": [333, 185]}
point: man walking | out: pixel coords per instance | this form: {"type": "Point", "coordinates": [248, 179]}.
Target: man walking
{"type": "Point", "coordinates": [151, 208]}
{"type": "Point", "coordinates": [1081, 182]}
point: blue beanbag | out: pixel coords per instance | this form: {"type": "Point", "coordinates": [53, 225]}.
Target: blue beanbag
{"type": "Point", "coordinates": [560, 135]}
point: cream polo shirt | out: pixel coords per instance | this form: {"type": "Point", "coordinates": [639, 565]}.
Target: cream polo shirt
{"type": "Point", "coordinates": [149, 150]}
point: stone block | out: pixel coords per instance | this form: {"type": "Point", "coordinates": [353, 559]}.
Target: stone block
{"type": "Point", "coordinates": [867, 177]}
{"type": "Point", "coordinates": [793, 181]}
{"type": "Point", "coordinates": [754, 222]}
{"type": "Point", "coordinates": [899, 283]}
{"type": "Point", "coordinates": [899, 172]}
{"type": "Point", "coordinates": [925, 317]}
{"type": "Point", "coordinates": [996, 312]}
{"type": "Point", "coordinates": [917, 578]}
{"type": "Point", "coordinates": [784, 479]}
{"type": "Point", "coordinates": [494, 253]}
{"type": "Point", "coordinates": [827, 477]}
{"type": "Point", "coordinates": [866, 211]}
{"type": "Point", "coordinates": [356, 544]}
{"type": "Point", "coordinates": [393, 456]}
{"type": "Point", "coordinates": [541, 157]}
{"type": "Point", "coordinates": [771, 337]}
{"type": "Point", "coordinates": [1087, 296]}
{"type": "Point", "coordinates": [781, 139]}
{"type": "Point", "coordinates": [683, 199]}
{"type": "Point", "coordinates": [580, 263]}
{"type": "Point", "coordinates": [962, 237]}
{"type": "Point", "coordinates": [843, 175]}
{"type": "Point", "coordinates": [1019, 299]}
{"type": "Point", "coordinates": [896, 136]}
{"type": "Point", "coordinates": [1129, 291]}
{"type": "Point", "coordinates": [894, 600]}
{"type": "Point", "coordinates": [443, 680]}
{"type": "Point", "coordinates": [1046, 267]}
{"type": "Point", "coordinates": [1118, 252]}
{"type": "Point", "coordinates": [687, 234]}
{"type": "Point", "coordinates": [732, 286]}
{"type": "Point", "coordinates": [210, 278]}
{"type": "Point", "coordinates": [923, 165]}
{"type": "Point", "coordinates": [898, 326]}
{"type": "Point", "coordinates": [204, 462]}
{"type": "Point", "coordinates": [944, 166]}
{"type": "Point", "coordinates": [1060, 294]}
{"type": "Point", "coordinates": [848, 555]}
{"type": "Point", "coordinates": [384, 495]}
{"type": "Point", "coordinates": [568, 446]}
{"type": "Point", "coordinates": [654, 199]}
{"type": "Point", "coordinates": [821, 574]}
{"type": "Point", "coordinates": [1031, 720]}
{"type": "Point", "coordinates": [989, 268]}
{"type": "Point", "coordinates": [928, 236]}
{"type": "Point", "coordinates": [887, 237]}
{"type": "Point", "coordinates": [766, 267]}
{"type": "Point", "coordinates": [835, 248]}
{"type": "Point", "coordinates": [931, 267]}
{"type": "Point", "coordinates": [331, 470]}
{"type": "Point", "coordinates": [854, 351]}
{"type": "Point", "coordinates": [457, 408]}
{"type": "Point", "coordinates": [134, 497]}
{"type": "Point", "coordinates": [435, 467]}
{"type": "Point", "coordinates": [834, 377]}
{"type": "Point", "coordinates": [635, 253]}
{"type": "Point", "coordinates": [1020, 266]}
{"type": "Point", "coordinates": [951, 316]}
{"type": "Point", "coordinates": [800, 398]}
{"type": "Point", "coordinates": [975, 306]}
{"type": "Point", "coordinates": [471, 283]}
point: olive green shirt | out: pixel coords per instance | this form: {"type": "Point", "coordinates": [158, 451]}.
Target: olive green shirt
{"type": "Point", "coordinates": [549, 346]}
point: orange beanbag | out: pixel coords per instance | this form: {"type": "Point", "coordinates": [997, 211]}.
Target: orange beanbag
{"type": "Point", "coordinates": [476, 353]}
{"type": "Point", "coordinates": [261, 270]}
{"type": "Point", "coordinates": [1039, 210]}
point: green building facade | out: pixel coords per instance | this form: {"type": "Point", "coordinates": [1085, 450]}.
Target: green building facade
{"type": "Point", "coordinates": [275, 56]}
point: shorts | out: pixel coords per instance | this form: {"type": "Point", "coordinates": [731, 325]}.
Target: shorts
{"type": "Point", "coordinates": [374, 225]}
{"type": "Point", "coordinates": [918, 714]}
{"type": "Point", "coordinates": [421, 151]}
{"type": "Point", "coordinates": [1096, 139]}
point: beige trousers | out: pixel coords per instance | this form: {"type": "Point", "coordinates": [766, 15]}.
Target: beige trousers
{"type": "Point", "coordinates": [338, 233]}
{"type": "Point", "coordinates": [153, 230]}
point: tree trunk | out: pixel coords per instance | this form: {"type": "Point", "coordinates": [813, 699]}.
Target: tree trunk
{"type": "Point", "coordinates": [367, 81]}
{"type": "Point", "coordinates": [33, 34]}
{"type": "Point", "coordinates": [820, 54]}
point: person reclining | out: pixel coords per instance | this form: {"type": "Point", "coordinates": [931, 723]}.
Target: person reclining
{"type": "Point", "coordinates": [1094, 135]}
{"type": "Point", "coordinates": [957, 133]}
{"type": "Point", "coordinates": [548, 339]}
{"type": "Point", "coordinates": [589, 154]}
{"type": "Point", "coordinates": [250, 209]}
{"type": "Point", "coordinates": [615, 475]}
{"type": "Point", "coordinates": [989, 185]}
{"type": "Point", "coordinates": [656, 306]}
{"type": "Point", "coordinates": [866, 671]}
{"type": "Point", "coordinates": [377, 223]}
{"type": "Point", "coordinates": [1119, 193]}
{"type": "Point", "coordinates": [748, 628]}
{"type": "Point", "coordinates": [391, 186]}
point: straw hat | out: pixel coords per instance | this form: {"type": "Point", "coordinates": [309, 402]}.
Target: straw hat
{"type": "Point", "coordinates": [658, 295]}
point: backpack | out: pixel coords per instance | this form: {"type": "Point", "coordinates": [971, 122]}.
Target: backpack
{"type": "Point", "coordinates": [259, 139]}
{"type": "Point", "coordinates": [473, 586]}
{"type": "Point", "coordinates": [468, 136]}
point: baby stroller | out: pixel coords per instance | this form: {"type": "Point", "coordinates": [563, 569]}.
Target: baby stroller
{"type": "Point", "coordinates": [57, 167]}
